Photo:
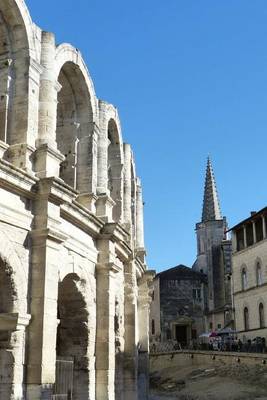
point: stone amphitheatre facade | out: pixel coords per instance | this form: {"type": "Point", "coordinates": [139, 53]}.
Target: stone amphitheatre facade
{"type": "Point", "coordinates": [74, 289]}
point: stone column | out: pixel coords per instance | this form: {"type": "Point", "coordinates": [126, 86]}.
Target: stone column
{"type": "Point", "coordinates": [139, 216]}
{"type": "Point", "coordinates": [127, 186]}
{"type": "Point", "coordinates": [48, 158]}
{"type": "Point", "coordinates": [12, 358]}
{"type": "Point", "coordinates": [46, 243]}
{"type": "Point", "coordinates": [130, 335]}
{"type": "Point", "coordinates": [5, 83]}
{"type": "Point", "coordinates": [254, 232]}
{"type": "Point", "coordinates": [102, 155]}
{"type": "Point", "coordinates": [144, 301]}
{"type": "Point", "coordinates": [87, 170]}
{"type": "Point", "coordinates": [245, 236]}
{"type": "Point", "coordinates": [264, 226]}
{"type": "Point", "coordinates": [23, 120]}
{"type": "Point", "coordinates": [105, 311]}
{"type": "Point", "coordinates": [234, 242]}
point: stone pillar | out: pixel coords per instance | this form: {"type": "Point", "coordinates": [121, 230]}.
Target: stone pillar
{"type": "Point", "coordinates": [139, 216]}
{"type": "Point", "coordinates": [46, 244]}
{"type": "Point", "coordinates": [12, 359]}
{"type": "Point", "coordinates": [23, 120]}
{"type": "Point", "coordinates": [48, 158]}
{"type": "Point", "coordinates": [87, 170]}
{"type": "Point", "coordinates": [254, 232]}
{"type": "Point", "coordinates": [264, 227]}
{"type": "Point", "coordinates": [234, 242]}
{"type": "Point", "coordinates": [144, 301]}
{"type": "Point", "coordinates": [102, 155]}
{"type": "Point", "coordinates": [245, 236]}
{"type": "Point", "coordinates": [130, 335]}
{"type": "Point", "coordinates": [127, 186]}
{"type": "Point", "coordinates": [5, 83]}
{"type": "Point", "coordinates": [105, 311]}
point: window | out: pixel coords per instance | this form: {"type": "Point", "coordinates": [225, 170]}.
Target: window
{"type": "Point", "coordinates": [246, 319]}
{"type": "Point", "coordinates": [210, 325]}
{"type": "Point", "coordinates": [219, 326]}
{"type": "Point", "coordinates": [197, 294]}
{"type": "Point", "coordinates": [153, 327]}
{"type": "Point", "coordinates": [261, 315]}
{"type": "Point", "coordinates": [259, 274]}
{"type": "Point", "coordinates": [244, 279]}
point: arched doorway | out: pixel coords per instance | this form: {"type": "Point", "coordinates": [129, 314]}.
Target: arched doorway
{"type": "Point", "coordinates": [10, 339]}
{"type": "Point", "coordinates": [72, 339]}
{"type": "Point", "coordinates": [74, 127]}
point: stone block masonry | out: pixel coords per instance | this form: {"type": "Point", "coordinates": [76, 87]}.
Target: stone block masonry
{"type": "Point", "coordinates": [74, 285]}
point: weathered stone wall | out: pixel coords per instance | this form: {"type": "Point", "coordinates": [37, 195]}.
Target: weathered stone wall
{"type": "Point", "coordinates": [73, 278]}
{"type": "Point", "coordinates": [253, 294]}
{"type": "Point", "coordinates": [202, 359]}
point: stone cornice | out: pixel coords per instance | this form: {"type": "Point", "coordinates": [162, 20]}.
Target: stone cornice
{"type": "Point", "coordinates": [108, 267]}
{"type": "Point", "coordinates": [48, 233]}
{"type": "Point", "coordinates": [56, 190]}
{"type": "Point", "coordinates": [82, 218]}
{"type": "Point", "coordinates": [115, 232]}
{"type": "Point", "coordinates": [14, 321]}
{"type": "Point", "coordinates": [16, 180]}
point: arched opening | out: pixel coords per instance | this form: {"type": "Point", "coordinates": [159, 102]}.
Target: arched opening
{"type": "Point", "coordinates": [72, 340]}
{"type": "Point", "coordinates": [118, 352]}
{"type": "Point", "coordinates": [16, 44]}
{"type": "Point", "coordinates": [246, 319]}
{"type": "Point", "coordinates": [244, 280]}
{"type": "Point", "coordinates": [7, 361]}
{"type": "Point", "coordinates": [259, 280]}
{"type": "Point", "coordinates": [74, 127]}
{"type": "Point", "coordinates": [115, 170]}
{"type": "Point", "coordinates": [261, 316]}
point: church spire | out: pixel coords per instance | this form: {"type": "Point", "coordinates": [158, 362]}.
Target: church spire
{"type": "Point", "coordinates": [211, 206]}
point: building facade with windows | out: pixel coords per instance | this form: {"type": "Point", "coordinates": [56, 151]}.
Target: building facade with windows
{"type": "Point", "coordinates": [178, 305]}
{"type": "Point", "coordinates": [249, 263]}
{"type": "Point", "coordinates": [74, 286]}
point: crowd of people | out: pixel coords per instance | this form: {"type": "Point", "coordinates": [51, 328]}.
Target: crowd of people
{"type": "Point", "coordinates": [257, 345]}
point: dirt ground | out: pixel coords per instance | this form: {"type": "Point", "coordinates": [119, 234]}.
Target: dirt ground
{"type": "Point", "coordinates": [239, 382]}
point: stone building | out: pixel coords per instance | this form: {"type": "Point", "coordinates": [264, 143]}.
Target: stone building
{"type": "Point", "coordinates": [179, 294]}
{"type": "Point", "coordinates": [214, 257]}
{"type": "Point", "coordinates": [249, 262]}
{"type": "Point", "coordinates": [188, 302]}
{"type": "Point", "coordinates": [74, 293]}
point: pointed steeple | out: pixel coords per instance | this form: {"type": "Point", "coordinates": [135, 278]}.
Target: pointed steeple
{"type": "Point", "coordinates": [211, 206]}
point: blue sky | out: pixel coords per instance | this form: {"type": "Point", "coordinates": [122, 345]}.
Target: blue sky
{"type": "Point", "coordinates": [189, 78]}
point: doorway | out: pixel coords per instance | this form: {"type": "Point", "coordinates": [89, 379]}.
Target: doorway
{"type": "Point", "coordinates": [181, 334]}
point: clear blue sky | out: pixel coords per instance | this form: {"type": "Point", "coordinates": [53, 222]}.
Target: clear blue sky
{"type": "Point", "coordinates": [189, 79]}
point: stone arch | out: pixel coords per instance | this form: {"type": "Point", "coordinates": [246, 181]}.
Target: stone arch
{"type": "Point", "coordinates": [74, 336]}
{"type": "Point", "coordinates": [17, 48]}
{"type": "Point", "coordinates": [115, 165]}
{"type": "Point", "coordinates": [244, 277]}
{"type": "Point", "coordinates": [16, 274]}
{"type": "Point", "coordinates": [258, 271]}
{"type": "Point", "coordinates": [13, 301]}
{"type": "Point", "coordinates": [66, 53]}
{"type": "Point", "coordinates": [76, 114]}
